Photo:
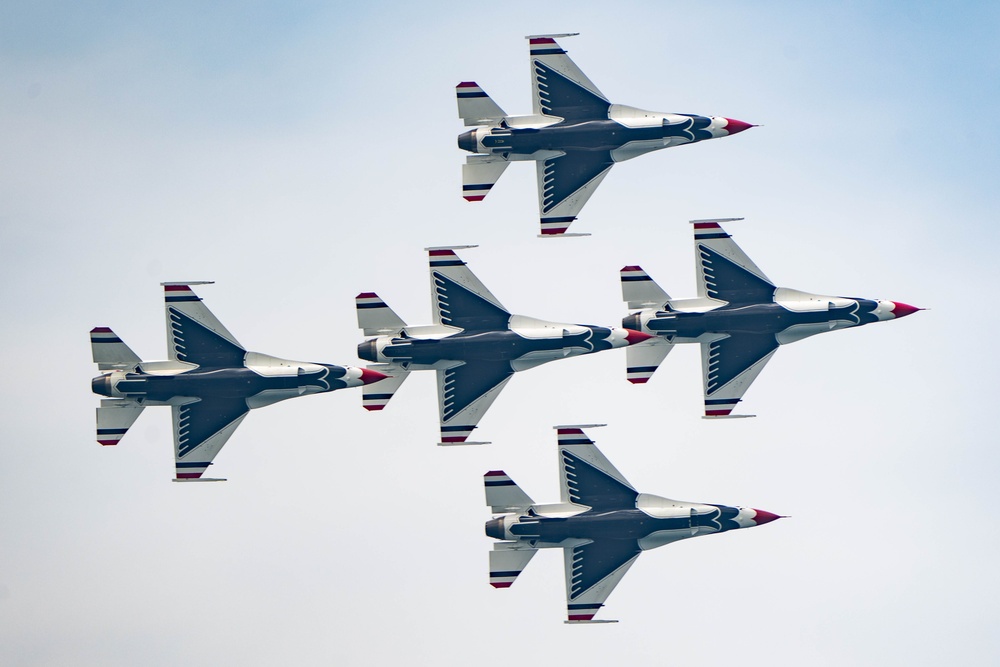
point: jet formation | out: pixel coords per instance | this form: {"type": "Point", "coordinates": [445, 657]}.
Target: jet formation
{"type": "Point", "coordinates": [475, 344]}
{"type": "Point", "coordinates": [574, 135]}
{"type": "Point", "coordinates": [210, 382]}
{"type": "Point", "coordinates": [739, 317]}
{"type": "Point", "coordinates": [601, 523]}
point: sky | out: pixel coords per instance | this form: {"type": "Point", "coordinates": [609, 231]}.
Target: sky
{"type": "Point", "coordinates": [299, 153]}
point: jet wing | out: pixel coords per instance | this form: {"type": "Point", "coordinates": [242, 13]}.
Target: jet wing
{"type": "Point", "coordinates": [558, 87]}
{"type": "Point", "coordinates": [729, 366]}
{"type": "Point", "coordinates": [194, 334]}
{"type": "Point", "coordinates": [592, 571]}
{"type": "Point", "coordinates": [201, 429]}
{"type": "Point", "coordinates": [465, 393]}
{"type": "Point", "coordinates": [724, 271]}
{"type": "Point", "coordinates": [565, 184]}
{"type": "Point", "coordinates": [586, 475]}
{"type": "Point", "coordinates": [459, 298]}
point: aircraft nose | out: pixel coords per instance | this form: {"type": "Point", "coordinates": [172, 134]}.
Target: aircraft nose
{"type": "Point", "coordinates": [900, 309]}
{"type": "Point", "coordinates": [633, 336]}
{"type": "Point", "coordinates": [763, 517]}
{"type": "Point", "coordinates": [734, 126]}
{"type": "Point", "coordinates": [467, 141]}
{"type": "Point", "coordinates": [368, 376]}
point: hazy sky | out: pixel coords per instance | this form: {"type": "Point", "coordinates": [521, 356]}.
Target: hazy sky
{"type": "Point", "coordinates": [298, 154]}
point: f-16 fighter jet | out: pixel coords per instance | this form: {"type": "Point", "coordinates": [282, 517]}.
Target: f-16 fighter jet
{"type": "Point", "coordinates": [210, 382]}
{"type": "Point", "coordinates": [739, 317]}
{"type": "Point", "coordinates": [601, 523]}
{"type": "Point", "coordinates": [574, 135]}
{"type": "Point", "coordinates": [475, 345]}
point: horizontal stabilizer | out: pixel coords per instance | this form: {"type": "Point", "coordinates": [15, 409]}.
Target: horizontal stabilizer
{"type": "Point", "coordinates": [642, 360]}
{"type": "Point", "coordinates": [375, 317]}
{"type": "Point", "coordinates": [114, 418]}
{"type": "Point", "coordinates": [110, 353]}
{"type": "Point", "coordinates": [475, 107]}
{"type": "Point", "coordinates": [479, 174]}
{"type": "Point", "coordinates": [374, 396]}
{"type": "Point", "coordinates": [640, 290]}
{"type": "Point", "coordinates": [506, 564]}
{"type": "Point", "coordinates": [503, 495]}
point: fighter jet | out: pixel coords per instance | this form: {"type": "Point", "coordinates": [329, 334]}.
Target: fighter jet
{"type": "Point", "coordinates": [574, 135]}
{"type": "Point", "coordinates": [210, 382]}
{"type": "Point", "coordinates": [739, 317]}
{"type": "Point", "coordinates": [601, 523]}
{"type": "Point", "coordinates": [475, 345]}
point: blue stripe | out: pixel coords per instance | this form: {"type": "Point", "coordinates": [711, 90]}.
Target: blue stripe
{"type": "Point", "coordinates": [547, 52]}
{"type": "Point", "coordinates": [193, 464]}
{"type": "Point", "coordinates": [452, 429]}
{"type": "Point", "coordinates": [449, 262]}
{"type": "Point", "coordinates": [584, 606]}
{"type": "Point", "coordinates": [505, 573]}
{"type": "Point", "coordinates": [377, 397]}
{"type": "Point", "coordinates": [721, 401]}
{"type": "Point", "coordinates": [577, 441]}
{"type": "Point", "coordinates": [485, 186]}
{"type": "Point", "coordinates": [362, 306]}
{"type": "Point", "coordinates": [466, 95]}
{"type": "Point", "coordinates": [508, 482]}
{"type": "Point", "coordinates": [566, 218]}
{"type": "Point", "coordinates": [112, 431]}
{"type": "Point", "coordinates": [721, 235]}
{"type": "Point", "coordinates": [105, 340]}
{"type": "Point", "coordinates": [175, 299]}
{"type": "Point", "coordinates": [635, 279]}
{"type": "Point", "coordinates": [641, 369]}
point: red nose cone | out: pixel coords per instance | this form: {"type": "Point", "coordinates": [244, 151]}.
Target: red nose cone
{"type": "Point", "coordinates": [734, 126]}
{"type": "Point", "coordinates": [368, 376]}
{"type": "Point", "coordinates": [901, 309]}
{"type": "Point", "coordinates": [634, 336]}
{"type": "Point", "coordinates": [764, 517]}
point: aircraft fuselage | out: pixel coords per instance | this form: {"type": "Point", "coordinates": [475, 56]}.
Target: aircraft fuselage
{"type": "Point", "coordinates": [217, 382]}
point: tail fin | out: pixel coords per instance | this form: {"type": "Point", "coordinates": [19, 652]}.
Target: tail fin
{"type": "Point", "coordinates": [114, 418]}
{"type": "Point", "coordinates": [503, 495]}
{"type": "Point", "coordinates": [507, 561]}
{"type": "Point", "coordinates": [642, 360]}
{"type": "Point", "coordinates": [640, 290]}
{"type": "Point", "coordinates": [479, 174]}
{"type": "Point", "coordinates": [110, 353]}
{"type": "Point", "coordinates": [475, 107]}
{"type": "Point", "coordinates": [375, 317]}
{"type": "Point", "coordinates": [375, 397]}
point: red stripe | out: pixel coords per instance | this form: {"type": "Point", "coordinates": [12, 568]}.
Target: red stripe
{"type": "Point", "coordinates": [715, 413]}
{"type": "Point", "coordinates": [706, 225]}
{"type": "Point", "coordinates": [441, 253]}
{"type": "Point", "coordinates": [176, 288]}
{"type": "Point", "coordinates": [569, 431]}
{"type": "Point", "coordinates": [373, 408]}
{"type": "Point", "coordinates": [108, 442]}
{"type": "Point", "coordinates": [554, 230]}
{"type": "Point", "coordinates": [367, 295]}
{"type": "Point", "coordinates": [188, 475]}
{"type": "Point", "coordinates": [631, 268]}
{"type": "Point", "coordinates": [453, 438]}
{"type": "Point", "coordinates": [501, 584]}
{"type": "Point", "coordinates": [468, 84]}
{"type": "Point", "coordinates": [581, 617]}
{"type": "Point", "coordinates": [495, 473]}
{"type": "Point", "coordinates": [638, 380]}
{"type": "Point", "coordinates": [542, 40]}
{"type": "Point", "coordinates": [475, 198]}
{"type": "Point", "coordinates": [101, 330]}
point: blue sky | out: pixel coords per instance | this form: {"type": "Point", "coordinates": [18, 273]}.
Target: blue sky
{"type": "Point", "coordinates": [298, 154]}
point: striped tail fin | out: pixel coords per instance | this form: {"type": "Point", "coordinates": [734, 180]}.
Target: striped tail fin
{"type": "Point", "coordinates": [110, 353]}
{"type": "Point", "coordinates": [506, 563]}
{"type": "Point", "coordinates": [114, 418]}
